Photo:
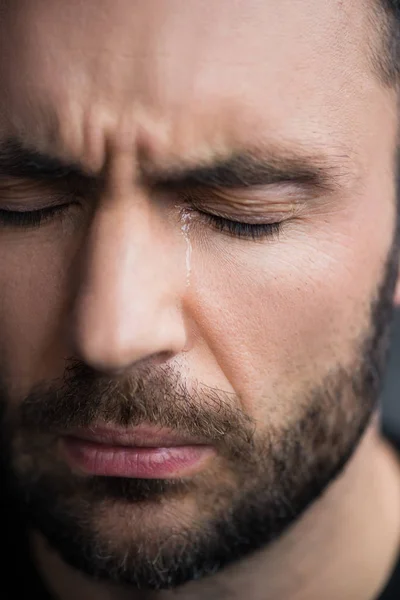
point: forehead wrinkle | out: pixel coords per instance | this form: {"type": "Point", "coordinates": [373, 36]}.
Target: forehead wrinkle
{"type": "Point", "coordinates": [164, 144]}
{"type": "Point", "coordinates": [85, 145]}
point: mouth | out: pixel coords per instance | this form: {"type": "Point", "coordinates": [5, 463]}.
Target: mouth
{"type": "Point", "coordinates": [142, 452]}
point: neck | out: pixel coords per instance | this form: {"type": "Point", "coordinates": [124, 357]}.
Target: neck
{"type": "Point", "coordinates": [344, 546]}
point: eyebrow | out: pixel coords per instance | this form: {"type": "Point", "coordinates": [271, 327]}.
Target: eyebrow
{"type": "Point", "coordinates": [240, 170]}
{"type": "Point", "coordinates": [247, 169]}
{"type": "Point", "coordinates": [16, 160]}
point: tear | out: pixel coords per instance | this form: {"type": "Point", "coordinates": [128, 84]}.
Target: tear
{"type": "Point", "coordinates": [186, 217]}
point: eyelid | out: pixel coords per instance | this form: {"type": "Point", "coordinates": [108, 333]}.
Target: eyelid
{"type": "Point", "coordinates": [35, 203]}
{"type": "Point", "coordinates": [227, 203]}
{"type": "Point", "coordinates": [249, 219]}
{"type": "Point", "coordinates": [17, 193]}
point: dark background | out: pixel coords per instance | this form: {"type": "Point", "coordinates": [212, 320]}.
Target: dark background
{"type": "Point", "coordinates": [391, 396]}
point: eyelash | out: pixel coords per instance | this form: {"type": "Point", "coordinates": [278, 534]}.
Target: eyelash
{"type": "Point", "coordinates": [238, 229]}
{"type": "Point", "coordinates": [248, 231]}
{"type": "Point", "coordinates": [32, 218]}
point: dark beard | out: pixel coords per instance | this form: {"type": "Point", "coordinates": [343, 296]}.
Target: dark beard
{"type": "Point", "coordinates": [273, 477]}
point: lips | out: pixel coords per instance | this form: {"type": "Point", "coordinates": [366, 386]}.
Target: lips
{"type": "Point", "coordinates": [141, 436]}
{"type": "Point", "coordinates": [141, 452]}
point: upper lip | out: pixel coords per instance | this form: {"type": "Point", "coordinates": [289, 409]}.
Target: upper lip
{"type": "Point", "coordinates": [139, 436]}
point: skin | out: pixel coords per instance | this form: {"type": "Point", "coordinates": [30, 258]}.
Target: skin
{"type": "Point", "coordinates": [153, 85]}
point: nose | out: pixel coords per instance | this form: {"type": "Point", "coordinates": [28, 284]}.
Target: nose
{"type": "Point", "coordinates": [127, 307]}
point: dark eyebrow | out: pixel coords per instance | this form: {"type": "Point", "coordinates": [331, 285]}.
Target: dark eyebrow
{"type": "Point", "coordinates": [16, 160]}
{"type": "Point", "coordinates": [246, 169]}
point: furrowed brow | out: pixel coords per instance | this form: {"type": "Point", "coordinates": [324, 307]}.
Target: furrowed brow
{"type": "Point", "coordinates": [245, 169]}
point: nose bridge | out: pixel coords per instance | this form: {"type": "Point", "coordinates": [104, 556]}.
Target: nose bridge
{"type": "Point", "coordinates": [127, 306]}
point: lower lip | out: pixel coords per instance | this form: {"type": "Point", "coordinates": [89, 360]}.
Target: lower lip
{"type": "Point", "coordinates": [135, 462]}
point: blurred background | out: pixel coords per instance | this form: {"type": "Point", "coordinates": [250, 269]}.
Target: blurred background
{"type": "Point", "coordinates": [391, 396]}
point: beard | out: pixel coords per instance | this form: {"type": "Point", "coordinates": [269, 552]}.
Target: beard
{"type": "Point", "coordinates": [162, 533]}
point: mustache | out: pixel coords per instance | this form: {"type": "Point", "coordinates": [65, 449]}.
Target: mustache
{"type": "Point", "coordinates": [158, 396]}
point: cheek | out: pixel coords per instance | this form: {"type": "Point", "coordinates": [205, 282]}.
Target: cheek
{"type": "Point", "coordinates": [278, 316]}
{"type": "Point", "coordinates": [35, 279]}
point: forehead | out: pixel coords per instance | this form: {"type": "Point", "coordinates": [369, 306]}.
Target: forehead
{"type": "Point", "coordinates": [187, 75]}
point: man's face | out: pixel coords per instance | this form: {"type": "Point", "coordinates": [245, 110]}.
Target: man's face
{"type": "Point", "coordinates": [244, 305]}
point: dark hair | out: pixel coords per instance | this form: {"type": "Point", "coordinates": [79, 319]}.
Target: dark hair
{"type": "Point", "coordinates": [389, 61]}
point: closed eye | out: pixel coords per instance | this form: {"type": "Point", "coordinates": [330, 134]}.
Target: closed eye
{"type": "Point", "coordinates": [238, 229]}
{"type": "Point", "coordinates": [31, 218]}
